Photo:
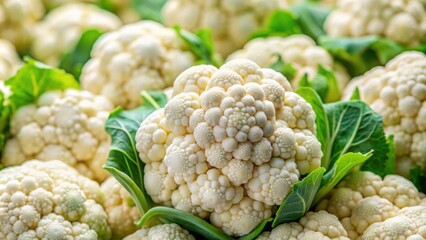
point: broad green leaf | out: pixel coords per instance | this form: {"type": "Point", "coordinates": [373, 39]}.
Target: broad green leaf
{"type": "Point", "coordinates": [324, 83]}
{"type": "Point", "coordinates": [186, 220]}
{"type": "Point", "coordinates": [149, 9]}
{"type": "Point", "coordinates": [34, 79]}
{"type": "Point", "coordinates": [340, 169]}
{"type": "Point", "coordinates": [284, 68]}
{"type": "Point", "coordinates": [388, 165]}
{"type": "Point", "coordinates": [201, 45]}
{"type": "Point", "coordinates": [257, 231]}
{"type": "Point", "coordinates": [155, 99]}
{"type": "Point", "coordinates": [356, 94]}
{"type": "Point", "coordinates": [279, 23]}
{"type": "Point", "coordinates": [299, 199]}
{"type": "Point", "coordinates": [311, 18]}
{"type": "Point", "coordinates": [73, 61]}
{"type": "Point", "coordinates": [418, 177]}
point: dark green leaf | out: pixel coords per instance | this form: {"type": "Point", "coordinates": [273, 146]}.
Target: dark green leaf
{"type": "Point", "coordinates": [387, 166]}
{"type": "Point", "coordinates": [324, 83]}
{"type": "Point", "coordinates": [73, 61]}
{"type": "Point", "coordinates": [257, 231]}
{"type": "Point", "coordinates": [201, 45]}
{"type": "Point", "coordinates": [5, 115]}
{"type": "Point", "coordinates": [311, 18]}
{"type": "Point", "coordinates": [186, 220]}
{"type": "Point", "coordinates": [418, 177]}
{"type": "Point", "coordinates": [279, 23]}
{"type": "Point", "coordinates": [299, 199]}
{"type": "Point", "coordinates": [284, 68]}
{"type": "Point", "coordinates": [34, 79]}
{"type": "Point", "coordinates": [340, 169]}
{"type": "Point", "coordinates": [356, 95]}
{"type": "Point", "coordinates": [149, 9]}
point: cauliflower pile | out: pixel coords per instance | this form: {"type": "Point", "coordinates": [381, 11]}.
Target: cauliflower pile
{"type": "Point", "coordinates": [398, 92]}
{"type": "Point", "coordinates": [314, 225]}
{"type": "Point", "coordinates": [17, 21]}
{"type": "Point", "coordinates": [118, 204]}
{"type": "Point", "coordinates": [136, 57]}
{"type": "Point", "coordinates": [231, 21]}
{"type": "Point", "coordinates": [401, 21]}
{"type": "Point", "coordinates": [229, 145]}
{"type": "Point", "coordinates": [50, 200]}
{"type": "Point", "coordinates": [9, 60]}
{"type": "Point", "coordinates": [61, 29]}
{"type": "Point", "coordinates": [298, 50]}
{"type": "Point", "coordinates": [68, 126]}
{"type": "Point", "coordinates": [159, 232]}
{"type": "Point", "coordinates": [370, 207]}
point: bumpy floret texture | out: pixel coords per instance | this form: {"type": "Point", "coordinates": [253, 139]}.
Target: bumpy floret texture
{"type": "Point", "coordinates": [398, 92]}
{"type": "Point", "coordinates": [121, 210]}
{"type": "Point", "coordinates": [229, 145]}
{"type": "Point", "coordinates": [368, 205]}
{"type": "Point", "coordinates": [314, 225]}
{"type": "Point", "coordinates": [298, 50]}
{"type": "Point", "coordinates": [60, 30]}
{"type": "Point", "coordinates": [164, 231]}
{"type": "Point", "coordinates": [231, 21]}
{"type": "Point", "coordinates": [50, 200]}
{"type": "Point", "coordinates": [68, 126]}
{"type": "Point", "coordinates": [140, 56]}
{"type": "Point", "coordinates": [18, 18]}
{"type": "Point", "coordinates": [9, 60]}
{"type": "Point", "coordinates": [401, 21]}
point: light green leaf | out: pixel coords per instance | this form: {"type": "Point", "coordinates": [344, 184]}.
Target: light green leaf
{"type": "Point", "coordinates": [356, 94]}
{"type": "Point", "coordinates": [149, 9]}
{"type": "Point", "coordinates": [73, 61]}
{"type": "Point", "coordinates": [279, 23]}
{"type": "Point", "coordinates": [34, 79]}
{"type": "Point", "coordinates": [340, 169]}
{"type": "Point", "coordinates": [324, 83]}
{"type": "Point", "coordinates": [299, 199]}
{"type": "Point", "coordinates": [284, 68]}
{"type": "Point", "coordinates": [154, 99]}
{"type": "Point", "coordinates": [311, 18]}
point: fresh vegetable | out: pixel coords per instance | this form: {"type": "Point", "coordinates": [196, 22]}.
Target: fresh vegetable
{"type": "Point", "coordinates": [136, 57]}
{"type": "Point", "coordinates": [9, 60]}
{"type": "Point", "coordinates": [60, 30]}
{"type": "Point", "coordinates": [50, 200]}
{"type": "Point", "coordinates": [398, 92]}
{"type": "Point", "coordinates": [164, 231]}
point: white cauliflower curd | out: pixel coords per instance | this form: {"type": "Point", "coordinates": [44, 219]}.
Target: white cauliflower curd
{"type": "Point", "coordinates": [298, 50]}
{"type": "Point", "coordinates": [17, 21]}
{"type": "Point", "coordinates": [9, 60]}
{"type": "Point", "coordinates": [161, 232]}
{"type": "Point", "coordinates": [140, 56]}
{"type": "Point", "coordinates": [60, 30]}
{"type": "Point", "coordinates": [50, 200]}
{"type": "Point", "coordinates": [229, 145]}
{"type": "Point", "coordinates": [398, 92]}
{"type": "Point", "coordinates": [68, 126]}
{"type": "Point", "coordinates": [231, 21]}
{"type": "Point", "coordinates": [401, 21]}
{"type": "Point", "coordinates": [118, 204]}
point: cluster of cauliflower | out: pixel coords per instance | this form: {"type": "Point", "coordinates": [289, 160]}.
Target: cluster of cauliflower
{"type": "Point", "coordinates": [403, 21]}
{"type": "Point", "coordinates": [139, 56]}
{"type": "Point", "coordinates": [370, 207]}
{"type": "Point", "coordinates": [229, 145]}
{"type": "Point", "coordinates": [398, 93]}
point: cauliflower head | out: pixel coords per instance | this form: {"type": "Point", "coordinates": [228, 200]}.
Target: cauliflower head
{"type": "Point", "coordinates": [398, 92]}
{"type": "Point", "coordinates": [299, 50]}
{"type": "Point", "coordinates": [365, 204]}
{"type": "Point", "coordinates": [50, 200]}
{"type": "Point", "coordinates": [60, 30]}
{"type": "Point", "coordinates": [68, 126]}
{"type": "Point", "coordinates": [319, 225]}
{"type": "Point", "coordinates": [163, 231]}
{"type": "Point", "coordinates": [229, 145]}
{"type": "Point", "coordinates": [9, 60]}
{"type": "Point", "coordinates": [140, 56]}
{"type": "Point", "coordinates": [231, 21]}
{"type": "Point", "coordinates": [18, 20]}
{"type": "Point", "coordinates": [401, 21]}
{"type": "Point", "coordinates": [121, 210]}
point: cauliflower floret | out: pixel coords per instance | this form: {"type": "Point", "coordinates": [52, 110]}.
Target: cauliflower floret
{"type": "Point", "coordinates": [401, 21]}
{"type": "Point", "coordinates": [9, 60]}
{"type": "Point", "coordinates": [398, 92]}
{"type": "Point", "coordinates": [66, 125]}
{"type": "Point", "coordinates": [232, 153]}
{"type": "Point", "coordinates": [50, 200]}
{"type": "Point", "coordinates": [231, 22]}
{"type": "Point", "coordinates": [60, 30]}
{"type": "Point", "coordinates": [140, 56]}
{"type": "Point", "coordinates": [121, 210]}
{"type": "Point", "coordinates": [164, 231]}
{"type": "Point", "coordinates": [18, 20]}
{"type": "Point", "coordinates": [298, 50]}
